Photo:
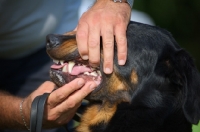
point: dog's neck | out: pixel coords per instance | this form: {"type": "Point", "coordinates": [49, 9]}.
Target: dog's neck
{"type": "Point", "coordinates": [95, 115]}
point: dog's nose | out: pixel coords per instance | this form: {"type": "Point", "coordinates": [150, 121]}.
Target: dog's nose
{"type": "Point", "coordinates": [52, 41]}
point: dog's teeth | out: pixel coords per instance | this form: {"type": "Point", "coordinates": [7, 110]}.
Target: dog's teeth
{"type": "Point", "coordinates": [56, 61]}
{"type": "Point", "coordinates": [92, 68]}
{"type": "Point", "coordinates": [86, 73]}
{"type": "Point", "coordinates": [99, 73]}
{"type": "Point", "coordinates": [70, 66]}
{"type": "Point", "coordinates": [93, 74]}
{"type": "Point", "coordinates": [62, 62]}
{"type": "Point", "coordinates": [64, 68]}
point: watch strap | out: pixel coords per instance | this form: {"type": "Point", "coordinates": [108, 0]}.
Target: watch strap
{"type": "Point", "coordinates": [130, 2]}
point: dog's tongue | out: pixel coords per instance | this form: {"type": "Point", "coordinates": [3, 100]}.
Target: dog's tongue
{"type": "Point", "coordinates": [54, 66]}
{"type": "Point", "coordinates": [76, 70]}
{"type": "Point", "coordinates": [80, 69]}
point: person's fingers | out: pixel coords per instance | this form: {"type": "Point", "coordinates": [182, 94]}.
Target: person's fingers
{"type": "Point", "coordinates": [96, 22]}
{"type": "Point", "coordinates": [94, 45]}
{"type": "Point", "coordinates": [46, 87]}
{"type": "Point", "coordinates": [82, 39]}
{"type": "Point", "coordinates": [108, 48]}
{"type": "Point", "coordinates": [121, 40]}
{"type": "Point", "coordinates": [74, 100]}
{"type": "Point", "coordinates": [84, 91]}
{"type": "Point", "coordinates": [66, 116]}
{"type": "Point", "coordinates": [65, 110]}
{"type": "Point", "coordinates": [59, 95]}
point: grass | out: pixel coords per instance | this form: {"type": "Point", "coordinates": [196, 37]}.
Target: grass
{"type": "Point", "coordinates": [196, 128]}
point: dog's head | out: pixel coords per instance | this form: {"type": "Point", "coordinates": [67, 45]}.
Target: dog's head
{"type": "Point", "coordinates": [157, 72]}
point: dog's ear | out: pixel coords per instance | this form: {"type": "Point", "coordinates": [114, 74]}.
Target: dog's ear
{"type": "Point", "coordinates": [191, 93]}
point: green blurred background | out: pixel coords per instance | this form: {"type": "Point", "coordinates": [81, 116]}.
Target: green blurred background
{"type": "Point", "coordinates": [182, 19]}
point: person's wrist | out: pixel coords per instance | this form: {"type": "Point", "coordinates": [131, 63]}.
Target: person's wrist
{"type": "Point", "coordinates": [21, 109]}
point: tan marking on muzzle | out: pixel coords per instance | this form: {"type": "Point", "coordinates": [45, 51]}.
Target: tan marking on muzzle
{"type": "Point", "coordinates": [64, 49]}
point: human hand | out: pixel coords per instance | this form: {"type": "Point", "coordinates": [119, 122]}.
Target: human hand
{"type": "Point", "coordinates": [106, 19]}
{"type": "Point", "coordinates": [62, 103]}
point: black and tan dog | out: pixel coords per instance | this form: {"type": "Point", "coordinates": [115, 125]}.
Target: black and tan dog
{"type": "Point", "coordinates": [157, 90]}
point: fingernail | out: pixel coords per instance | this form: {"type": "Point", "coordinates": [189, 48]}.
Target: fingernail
{"type": "Point", "coordinates": [121, 62]}
{"type": "Point", "coordinates": [81, 82]}
{"type": "Point", "coordinates": [92, 86]}
{"type": "Point", "coordinates": [108, 70]}
{"type": "Point", "coordinates": [85, 57]}
{"type": "Point", "coordinates": [97, 82]}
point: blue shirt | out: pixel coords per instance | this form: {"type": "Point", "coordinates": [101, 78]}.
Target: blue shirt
{"type": "Point", "coordinates": [24, 24]}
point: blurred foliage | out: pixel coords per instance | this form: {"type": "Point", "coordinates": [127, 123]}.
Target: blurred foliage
{"type": "Point", "coordinates": [180, 17]}
{"type": "Point", "coordinates": [196, 128]}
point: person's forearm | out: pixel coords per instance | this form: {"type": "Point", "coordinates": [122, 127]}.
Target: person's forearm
{"type": "Point", "coordinates": [10, 113]}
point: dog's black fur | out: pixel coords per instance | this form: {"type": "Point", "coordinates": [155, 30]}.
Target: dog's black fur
{"type": "Point", "coordinates": [160, 86]}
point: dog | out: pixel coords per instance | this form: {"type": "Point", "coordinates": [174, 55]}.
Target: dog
{"type": "Point", "coordinates": [157, 90]}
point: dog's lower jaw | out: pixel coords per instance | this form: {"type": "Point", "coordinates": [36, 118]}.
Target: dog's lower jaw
{"type": "Point", "coordinates": [95, 116]}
